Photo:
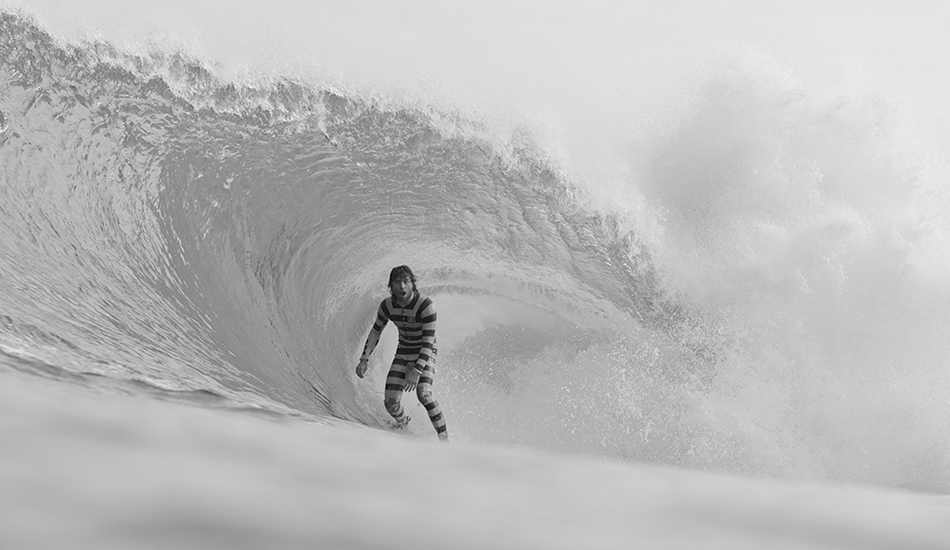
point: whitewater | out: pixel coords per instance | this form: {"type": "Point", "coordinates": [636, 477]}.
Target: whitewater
{"type": "Point", "coordinates": [730, 331]}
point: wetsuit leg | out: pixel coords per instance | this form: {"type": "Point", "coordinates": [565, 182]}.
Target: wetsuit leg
{"type": "Point", "coordinates": [424, 392]}
{"type": "Point", "coordinates": [395, 384]}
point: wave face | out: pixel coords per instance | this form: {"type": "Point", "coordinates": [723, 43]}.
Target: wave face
{"type": "Point", "coordinates": [788, 318]}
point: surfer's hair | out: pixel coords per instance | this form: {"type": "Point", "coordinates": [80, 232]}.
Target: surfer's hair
{"type": "Point", "coordinates": [402, 272]}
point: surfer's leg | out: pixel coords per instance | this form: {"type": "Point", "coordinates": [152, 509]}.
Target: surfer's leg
{"type": "Point", "coordinates": [424, 392]}
{"type": "Point", "coordinates": [395, 384]}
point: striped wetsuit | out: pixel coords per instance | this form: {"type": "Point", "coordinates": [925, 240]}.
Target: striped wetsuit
{"type": "Point", "coordinates": [416, 324]}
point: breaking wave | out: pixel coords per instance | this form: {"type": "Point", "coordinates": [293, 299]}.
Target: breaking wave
{"type": "Point", "coordinates": [785, 314]}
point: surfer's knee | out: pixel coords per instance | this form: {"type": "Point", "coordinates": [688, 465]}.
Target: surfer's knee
{"type": "Point", "coordinates": [424, 392]}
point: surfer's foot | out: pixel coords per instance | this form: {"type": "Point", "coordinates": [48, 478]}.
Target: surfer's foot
{"type": "Point", "coordinates": [400, 423]}
{"type": "Point", "coordinates": [444, 436]}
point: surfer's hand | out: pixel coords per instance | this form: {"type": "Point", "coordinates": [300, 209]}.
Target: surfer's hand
{"type": "Point", "coordinates": [361, 368]}
{"type": "Point", "coordinates": [412, 379]}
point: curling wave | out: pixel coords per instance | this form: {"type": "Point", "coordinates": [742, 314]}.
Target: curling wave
{"type": "Point", "coordinates": [164, 226]}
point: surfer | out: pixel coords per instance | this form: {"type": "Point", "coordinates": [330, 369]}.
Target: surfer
{"type": "Point", "coordinates": [413, 366]}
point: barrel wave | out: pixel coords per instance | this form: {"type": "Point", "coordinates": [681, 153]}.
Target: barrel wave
{"type": "Point", "coordinates": [231, 240]}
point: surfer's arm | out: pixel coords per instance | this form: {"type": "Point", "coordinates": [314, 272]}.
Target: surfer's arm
{"type": "Point", "coordinates": [373, 338]}
{"type": "Point", "coordinates": [428, 318]}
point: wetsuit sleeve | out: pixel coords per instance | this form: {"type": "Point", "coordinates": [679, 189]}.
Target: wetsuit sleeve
{"type": "Point", "coordinates": [382, 318]}
{"type": "Point", "coordinates": [428, 318]}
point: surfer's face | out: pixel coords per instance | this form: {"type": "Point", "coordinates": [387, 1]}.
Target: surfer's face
{"type": "Point", "coordinates": [401, 288]}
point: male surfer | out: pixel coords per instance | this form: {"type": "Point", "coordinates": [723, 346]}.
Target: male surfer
{"type": "Point", "coordinates": [413, 366]}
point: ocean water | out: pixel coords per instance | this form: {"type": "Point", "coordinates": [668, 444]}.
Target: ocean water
{"type": "Point", "coordinates": [744, 342]}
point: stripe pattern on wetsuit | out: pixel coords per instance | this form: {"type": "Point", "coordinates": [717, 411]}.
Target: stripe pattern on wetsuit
{"type": "Point", "coordinates": [396, 383]}
{"type": "Point", "coordinates": [416, 323]}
